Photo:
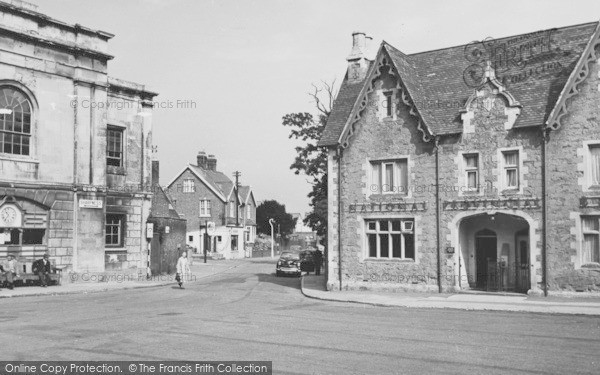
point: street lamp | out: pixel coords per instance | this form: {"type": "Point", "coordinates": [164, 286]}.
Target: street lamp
{"type": "Point", "coordinates": [271, 222]}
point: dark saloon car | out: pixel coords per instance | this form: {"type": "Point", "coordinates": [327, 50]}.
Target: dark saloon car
{"type": "Point", "coordinates": [289, 263]}
{"type": "Point", "coordinates": [307, 261]}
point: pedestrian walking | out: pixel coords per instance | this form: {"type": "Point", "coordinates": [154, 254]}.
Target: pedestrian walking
{"type": "Point", "coordinates": [318, 262]}
{"type": "Point", "coordinates": [183, 269]}
{"type": "Point", "coordinates": [11, 271]}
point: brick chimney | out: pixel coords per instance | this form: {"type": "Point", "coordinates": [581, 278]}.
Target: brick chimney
{"type": "Point", "coordinates": [358, 64]}
{"type": "Point", "coordinates": [155, 173]}
{"type": "Point", "coordinates": [212, 163]}
{"type": "Point", "coordinates": [201, 158]}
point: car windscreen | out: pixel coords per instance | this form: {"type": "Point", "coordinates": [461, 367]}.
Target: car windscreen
{"type": "Point", "coordinates": [290, 256]}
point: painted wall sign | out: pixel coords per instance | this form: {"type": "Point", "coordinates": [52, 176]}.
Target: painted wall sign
{"type": "Point", "coordinates": [90, 203]}
{"type": "Point", "coordinates": [387, 207]}
{"type": "Point", "coordinates": [477, 204]}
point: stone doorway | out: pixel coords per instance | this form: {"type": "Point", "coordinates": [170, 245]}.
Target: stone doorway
{"type": "Point", "coordinates": [494, 252]}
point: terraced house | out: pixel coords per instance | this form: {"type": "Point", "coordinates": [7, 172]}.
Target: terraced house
{"type": "Point", "coordinates": [468, 167]}
{"type": "Point", "coordinates": [75, 147]}
{"type": "Point", "coordinates": [221, 217]}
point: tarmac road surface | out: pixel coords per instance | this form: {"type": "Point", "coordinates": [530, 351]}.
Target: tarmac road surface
{"type": "Point", "coordinates": [247, 313]}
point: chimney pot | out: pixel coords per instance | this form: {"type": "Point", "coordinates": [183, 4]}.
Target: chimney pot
{"type": "Point", "coordinates": [211, 163]}
{"type": "Point", "coordinates": [201, 159]}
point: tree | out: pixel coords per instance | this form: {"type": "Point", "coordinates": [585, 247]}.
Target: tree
{"type": "Point", "coordinates": [272, 209]}
{"type": "Point", "coordinates": [312, 160]}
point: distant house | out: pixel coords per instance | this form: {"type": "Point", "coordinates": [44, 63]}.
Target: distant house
{"type": "Point", "coordinates": [300, 226]}
{"type": "Point", "coordinates": [203, 195]}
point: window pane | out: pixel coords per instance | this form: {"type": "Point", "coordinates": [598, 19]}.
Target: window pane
{"type": "Point", "coordinates": [511, 178]}
{"type": "Point", "coordinates": [472, 180]}
{"type": "Point", "coordinates": [595, 164]}
{"type": "Point", "coordinates": [396, 225]}
{"type": "Point", "coordinates": [376, 178]}
{"type": "Point", "coordinates": [371, 225]}
{"type": "Point", "coordinates": [388, 104]}
{"type": "Point", "coordinates": [409, 246]}
{"type": "Point", "coordinates": [372, 245]}
{"type": "Point", "coordinates": [389, 177]}
{"type": "Point", "coordinates": [396, 245]}
{"type": "Point", "coordinates": [471, 161]}
{"type": "Point", "coordinates": [384, 246]}
{"type": "Point", "coordinates": [590, 248]}
{"type": "Point", "coordinates": [403, 187]}
{"type": "Point", "coordinates": [383, 225]}
{"type": "Point", "coordinates": [590, 224]}
{"type": "Point", "coordinates": [511, 158]}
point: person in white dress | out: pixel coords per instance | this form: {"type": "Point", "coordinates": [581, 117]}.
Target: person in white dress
{"type": "Point", "coordinates": [183, 269]}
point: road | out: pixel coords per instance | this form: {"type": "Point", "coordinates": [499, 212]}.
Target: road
{"type": "Point", "coordinates": [249, 314]}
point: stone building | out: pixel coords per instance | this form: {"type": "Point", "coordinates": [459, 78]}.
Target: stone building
{"type": "Point", "coordinates": [202, 195]}
{"type": "Point", "coordinates": [469, 167]}
{"type": "Point", "coordinates": [75, 147]}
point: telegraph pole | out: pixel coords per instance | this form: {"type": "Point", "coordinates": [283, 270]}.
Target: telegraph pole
{"type": "Point", "coordinates": [237, 175]}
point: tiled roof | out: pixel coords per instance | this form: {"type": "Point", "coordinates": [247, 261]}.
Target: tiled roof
{"type": "Point", "coordinates": [243, 192]}
{"type": "Point", "coordinates": [435, 83]}
{"type": "Point", "coordinates": [344, 102]}
{"type": "Point", "coordinates": [217, 180]}
{"type": "Point", "coordinates": [161, 205]}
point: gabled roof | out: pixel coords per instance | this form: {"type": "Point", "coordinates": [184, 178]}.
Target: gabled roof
{"type": "Point", "coordinates": [245, 193]}
{"type": "Point", "coordinates": [435, 85]}
{"type": "Point", "coordinates": [207, 178]}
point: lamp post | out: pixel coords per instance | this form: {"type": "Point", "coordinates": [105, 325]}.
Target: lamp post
{"type": "Point", "coordinates": [271, 222]}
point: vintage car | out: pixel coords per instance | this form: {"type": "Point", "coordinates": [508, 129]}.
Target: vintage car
{"type": "Point", "coordinates": [289, 263]}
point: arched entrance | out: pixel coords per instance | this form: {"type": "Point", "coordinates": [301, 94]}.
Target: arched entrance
{"type": "Point", "coordinates": [494, 252]}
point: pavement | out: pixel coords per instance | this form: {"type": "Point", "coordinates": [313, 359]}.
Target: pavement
{"type": "Point", "coordinates": [314, 287]}
{"type": "Point", "coordinates": [198, 270]}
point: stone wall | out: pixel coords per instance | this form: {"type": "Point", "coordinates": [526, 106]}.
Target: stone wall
{"type": "Point", "coordinates": [567, 173]}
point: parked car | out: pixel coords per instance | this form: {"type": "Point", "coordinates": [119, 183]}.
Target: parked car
{"type": "Point", "coordinates": [289, 263]}
{"type": "Point", "coordinates": [307, 261]}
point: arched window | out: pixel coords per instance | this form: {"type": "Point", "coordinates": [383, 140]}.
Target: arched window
{"type": "Point", "coordinates": [15, 122]}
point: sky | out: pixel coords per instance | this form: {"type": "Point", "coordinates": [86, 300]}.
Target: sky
{"type": "Point", "coordinates": [240, 65]}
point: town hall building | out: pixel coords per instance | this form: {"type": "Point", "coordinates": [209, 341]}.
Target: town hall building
{"type": "Point", "coordinates": [75, 148]}
{"type": "Point", "coordinates": [475, 167]}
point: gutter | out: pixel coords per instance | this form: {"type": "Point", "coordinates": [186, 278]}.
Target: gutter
{"type": "Point", "coordinates": [340, 208]}
{"type": "Point", "coordinates": [437, 211]}
{"type": "Point", "coordinates": [545, 138]}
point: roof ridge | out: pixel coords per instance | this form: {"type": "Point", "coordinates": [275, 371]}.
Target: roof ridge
{"type": "Point", "coordinates": [500, 38]}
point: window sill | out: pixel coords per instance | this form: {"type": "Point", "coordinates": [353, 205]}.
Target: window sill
{"type": "Point", "coordinates": [115, 249]}
{"type": "Point", "coordinates": [592, 265]}
{"type": "Point", "coordinates": [511, 191]}
{"type": "Point", "coordinates": [393, 260]}
{"type": "Point", "coordinates": [19, 158]}
{"type": "Point", "coordinates": [111, 169]}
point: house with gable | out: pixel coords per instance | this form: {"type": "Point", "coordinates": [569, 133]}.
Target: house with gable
{"type": "Point", "coordinates": [203, 195]}
{"type": "Point", "coordinates": [474, 167]}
